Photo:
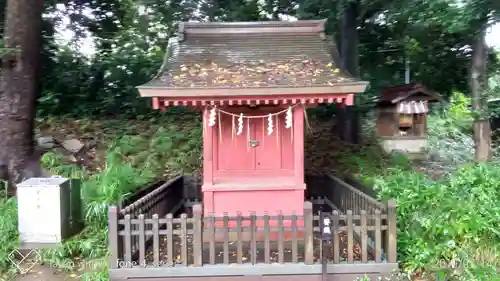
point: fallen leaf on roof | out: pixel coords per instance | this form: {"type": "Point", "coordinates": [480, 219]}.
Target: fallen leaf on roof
{"type": "Point", "coordinates": [297, 72]}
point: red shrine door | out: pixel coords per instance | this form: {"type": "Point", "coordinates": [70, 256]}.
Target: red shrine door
{"type": "Point", "coordinates": [275, 151]}
{"type": "Point", "coordinates": [253, 153]}
{"type": "Point", "coordinates": [253, 169]}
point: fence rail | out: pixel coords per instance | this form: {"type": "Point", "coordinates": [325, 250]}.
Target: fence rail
{"type": "Point", "coordinates": [138, 240]}
{"type": "Point", "coordinates": [159, 200]}
{"type": "Point", "coordinates": [138, 194]}
{"type": "Point", "coordinates": [368, 190]}
{"type": "Point", "coordinates": [347, 197]}
{"type": "Point", "coordinates": [162, 198]}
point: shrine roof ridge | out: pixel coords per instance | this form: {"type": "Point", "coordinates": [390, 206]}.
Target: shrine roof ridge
{"type": "Point", "coordinates": [276, 27]}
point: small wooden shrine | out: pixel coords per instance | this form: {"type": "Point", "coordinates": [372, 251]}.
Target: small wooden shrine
{"type": "Point", "coordinates": [253, 82]}
{"type": "Point", "coordinates": [402, 117]}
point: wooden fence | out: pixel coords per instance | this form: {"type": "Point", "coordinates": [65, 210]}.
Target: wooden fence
{"type": "Point", "coordinates": [138, 194]}
{"type": "Point", "coordinates": [347, 197]}
{"type": "Point", "coordinates": [198, 240]}
{"type": "Point", "coordinates": [368, 190]}
{"type": "Point", "coordinates": [161, 199]}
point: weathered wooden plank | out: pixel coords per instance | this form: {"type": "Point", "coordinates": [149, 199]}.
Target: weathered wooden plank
{"type": "Point", "coordinates": [128, 243]}
{"type": "Point", "coordinates": [350, 237]}
{"type": "Point", "coordinates": [281, 242]}
{"type": "Point", "coordinates": [392, 255]}
{"type": "Point", "coordinates": [142, 241]}
{"type": "Point", "coordinates": [378, 237]}
{"type": "Point", "coordinates": [267, 246]}
{"type": "Point", "coordinates": [170, 239]}
{"type": "Point", "coordinates": [226, 238]}
{"type": "Point", "coordinates": [364, 237]}
{"type": "Point", "coordinates": [156, 241]}
{"type": "Point", "coordinates": [211, 233]}
{"type": "Point", "coordinates": [239, 238]}
{"type": "Point", "coordinates": [294, 240]}
{"type": "Point", "coordinates": [184, 241]}
{"type": "Point", "coordinates": [335, 236]}
{"type": "Point", "coordinates": [249, 269]}
{"type": "Point", "coordinates": [197, 235]}
{"type": "Point", "coordinates": [346, 228]}
{"type": "Point", "coordinates": [113, 237]}
{"type": "Point", "coordinates": [253, 241]}
{"type": "Point", "coordinates": [308, 235]}
{"type": "Point", "coordinates": [354, 217]}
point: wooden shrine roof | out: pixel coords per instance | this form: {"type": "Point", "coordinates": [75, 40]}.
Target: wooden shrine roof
{"type": "Point", "coordinates": [251, 59]}
{"type": "Point", "coordinates": [400, 93]}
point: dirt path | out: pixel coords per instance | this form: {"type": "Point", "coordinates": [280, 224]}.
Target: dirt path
{"type": "Point", "coordinates": [45, 273]}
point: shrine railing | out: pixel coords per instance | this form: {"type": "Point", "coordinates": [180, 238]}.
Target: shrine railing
{"type": "Point", "coordinates": [158, 198]}
{"type": "Point", "coordinates": [368, 190]}
{"type": "Point", "coordinates": [253, 240]}
{"type": "Point", "coordinates": [128, 199]}
{"type": "Point", "coordinates": [347, 197]}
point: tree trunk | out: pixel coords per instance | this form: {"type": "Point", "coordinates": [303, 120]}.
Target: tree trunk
{"type": "Point", "coordinates": [349, 39]}
{"type": "Point", "coordinates": [349, 55]}
{"type": "Point", "coordinates": [478, 84]}
{"type": "Point", "coordinates": [19, 87]}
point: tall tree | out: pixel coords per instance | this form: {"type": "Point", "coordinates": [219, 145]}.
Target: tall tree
{"type": "Point", "coordinates": [19, 89]}
{"type": "Point", "coordinates": [349, 45]}
{"type": "Point", "coordinates": [478, 86]}
{"type": "Point", "coordinates": [349, 38]}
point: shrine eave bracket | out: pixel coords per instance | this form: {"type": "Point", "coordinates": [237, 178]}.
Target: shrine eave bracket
{"type": "Point", "coordinates": [164, 97]}
{"type": "Point", "coordinates": [345, 99]}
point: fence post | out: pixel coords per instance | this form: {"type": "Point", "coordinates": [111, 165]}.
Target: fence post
{"type": "Point", "coordinates": [113, 236]}
{"type": "Point", "coordinates": [392, 254]}
{"type": "Point", "coordinates": [308, 235]}
{"type": "Point", "coordinates": [197, 235]}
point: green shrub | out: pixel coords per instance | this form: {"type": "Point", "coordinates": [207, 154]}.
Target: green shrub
{"type": "Point", "coordinates": [448, 224]}
{"type": "Point", "coordinates": [450, 131]}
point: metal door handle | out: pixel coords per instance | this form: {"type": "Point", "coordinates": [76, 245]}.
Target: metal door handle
{"type": "Point", "coordinates": [253, 143]}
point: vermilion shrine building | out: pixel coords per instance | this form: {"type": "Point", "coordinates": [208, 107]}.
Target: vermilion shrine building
{"type": "Point", "coordinates": [253, 82]}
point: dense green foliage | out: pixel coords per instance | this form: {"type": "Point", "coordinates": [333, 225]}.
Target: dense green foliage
{"type": "Point", "coordinates": [130, 37]}
{"type": "Point", "coordinates": [447, 226]}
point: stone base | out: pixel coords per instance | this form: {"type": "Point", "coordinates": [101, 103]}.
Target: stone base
{"type": "Point", "coordinates": [411, 145]}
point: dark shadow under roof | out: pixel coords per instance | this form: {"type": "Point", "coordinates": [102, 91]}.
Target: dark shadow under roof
{"type": "Point", "coordinates": [251, 55]}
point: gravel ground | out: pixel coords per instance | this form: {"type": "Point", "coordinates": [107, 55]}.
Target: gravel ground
{"type": "Point", "coordinates": [45, 273]}
{"type": "Point", "coordinates": [246, 257]}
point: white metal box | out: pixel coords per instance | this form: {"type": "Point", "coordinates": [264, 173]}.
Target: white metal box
{"type": "Point", "coordinates": [49, 211]}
